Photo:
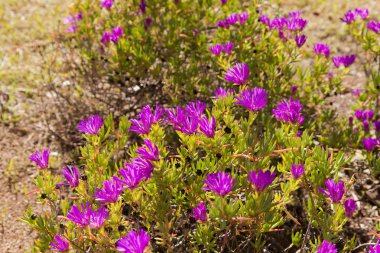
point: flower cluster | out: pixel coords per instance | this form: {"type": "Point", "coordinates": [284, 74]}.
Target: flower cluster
{"type": "Point", "coordinates": [321, 48]}
{"type": "Point", "coordinates": [233, 19]}
{"type": "Point", "coordinates": [344, 60]}
{"type": "Point", "coordinates": [218, 48]}
{"type": "Point", "coordinates": [113, 36]}
{"type": "Point", "coordinates": [351, 15]}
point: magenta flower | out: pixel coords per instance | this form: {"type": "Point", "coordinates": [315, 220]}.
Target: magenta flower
{"type": "Point", "coordinates": [374, 26]}
{"type": "Point", "coordinates": [321, 48]}
{"type": "Point", "coordinates": [150, 152]}
{"type": "Point", "coordinates": [327, 247]}
{"type": "Point", "coordinates": [228, 47]}
{"type": "Point", "coordinates": [106, 38]}
{"type": "Point", "coordinates": [369, 144]}
{"type": "Point", "coordinates": [200, 212]}
{"type": "Point", "coordinates": [72, 22]}
{"type": "Point", "coordinates": [142, 6]}
{"type": "Point", "coordinates": [107, 4]}
{"type": "Point", "coordinates": [181, 121]}
{"type": "Point", "coordinates": [376, 124]}
{"type": "Point", "coordinates": [238, 74]}
{"type": "Point", "coordinates": [265, 20]}
{"type": "Point", "coordinates": [72, 176]}
{"type": "Point", "coordinates": [363, 13]}
{"type": "Point", "coordinates": [334, 191]}
{"type": "Point", "coordinates": [144, 165]}
{"type": "Point", "coordinates": [243, 17]}
{"type": "Point", "coordinates": [195, 109]}
{"type": "Point", "coordinates": [81, 217]}
{"type": "Point", "coordinates": [41, 158]}
{"type": "Point", "coordinates": [110, 192]}
{"type": "Point", "coordinates": [97, 218]}
{"type": "Point", "coordinates": [223, 24]}
{"type": "Point", "coordinates": [300, 40]}
{"type": "Point", "coordinates": [91, 125]}
{"type": "Point", "coordinates": [59, 244]}
{"type": "Point", "coordinates": [207, 127]}
{"type": "Point", "coordinates": [147, 23]}
{"type": "Point", "coordinates": [261, 180]}
{"type": "Point", "coordinates": [146, 119]}
{"type": "Point", "coordinates": [279, 23]}
{"type": "Point", "coordinates": [253, 99]}
{"type": "Point", "coordinates": [221, 183]}
{"type": "Point", "coordinates": [366, 125]}
{"type": "Point", "coordinates": [134, 242]}
{"type": "Point", "coordinates": [345, 60]}
{"type": "Point", "coordinates": [372, 249]}
{"type": "Point", "coordinates": [349, 17]}
{"type": "Point", "coordinates": [220, 92]}
{"type": "Point", "coordinates": [297, 170]}
{"type": "Point", "coordinates": [223, 2]}
{"type": "Point", "coordinates": [132, 176]}
{"type": "Point", "coordinates": [294, 89]}
{"type": "Point", "coordinates": [350, 207]}
{"type": "Point", "coordinates": [289, 111]}
{"type": "Point", "coordinates": [117, 33]}
{"type": "Point", "coordinates": [216, 49]}
{"type": "Point", "coordinates": [232, 19]}
{"type": "Point", "coordinates": [356, 92]}
{"type": "Point", "coordinates": [296, 24]}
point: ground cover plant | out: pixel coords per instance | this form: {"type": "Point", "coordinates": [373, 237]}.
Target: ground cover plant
{"type": "Point", "coordinates": [223, 174]}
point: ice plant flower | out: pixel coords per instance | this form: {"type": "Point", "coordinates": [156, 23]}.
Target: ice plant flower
{"type": "Point", "coordinates": [265, 20]}
{"type": "Point", "coordinates": [296, 24]}
{"type": "Point", "coordinates": [345, 60]}
{"type": "Point", "coordinates": [221, 183]}
{"type": "Point", "coordinates": [207, 127]}
{"type": "Point", "coordinates": [72, 175]}
{"type": "Point", "coordinates": [223, 2]}
{"type": "Point", "coordinates": [366, 125]}
{"type": "Point", "coordinates": [363, 13]}
{"type": "Point", "coordinates": [289, 111]}
{"type": "Point", "coordinates": [195, 109]}
{"type": "Point", "coordinates": [59, 244]}
{"type": "Point", "coordinates": [260, 179]}
{"type": "Point", "coordinates": [72, 22]}
{"type": "Point", "coordinates": [300, 40]}
{"type": "Point", "coordinates": [334, 191]}
{"type": "Point", "coordinates": [253, 99]}
{"type": "Point", "coordinates": [350, 207]}
{"type": "Point", "coordinates": [243, 17]}
{"type": "Point", "coordinates": [142, 6]}
{"type": "Point", "coordinates": [356, 92]}
{"type": "Point", "coordinates": [117, 33]}
{"type": "Point", "coordinates": [374, 249]}
{"type": "Point", "coordinates": [41, 158]}
{"type": "Point", "coordinates": [134, 242]}
{"type": "Point", "coordinates": [97, 218]}
{"type": "Point", "coordinates": [321, 48]}
{"type": "Point", "coordinates": [107, 4]}
{"type": "Point", "coordinates": [147, 23]}
{"type": "Point", "coordinates": [376, 124]}
{"type": "Point", "coordinates": [106, 38]}
{"type": "Point", "coordinates": [150, 152]}
{"type": "Point", "coordinates": [349, 17]}
{"type": "Point", "coordinates": [238, 74]}
{"type": "Point", "coordinates": [145, 166]}
{"type": "Point", "coordinates": [146, 119]}
{"type": "Point", "coordinates": [81, 217]}
{"type": "Point", "coordinates": [327, 247]}
{"type": "Point", "coordinates": [220, 92]}
{"type": "Point", "coordinates": [132, 176]}
{"type": "Point", "coordinates": [181, 121]}
{"type": "Point", "coordinates": [369, 144]}
{"type": "Point", "coordinates": [110, 192]}
{"type": "Point", "coordinates": [228, 47]}
{"type": "Point", "coordinates": [374, 26]}
{"type": "Point", "coordinates": [216, 49]}
{"type": "Point", "coordinates": [297, 170]}
{"type": "Point", "coordinates": [200, 212]}
{"type": "Point", "coordinates": [91, 125]}
{"type": "Point", "coordinates": [232, 19]}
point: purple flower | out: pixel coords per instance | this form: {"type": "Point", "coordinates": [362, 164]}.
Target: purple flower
{"type": "Point", "coordinates": [321, 48]}
{"type": "Point", "coordinates": [110, 192]}
{"type": "Point", "coordinates": [369, 144]}
{"type": "Point", "coordinates": [132, 176]}
{"type": "Point", "coordinates": [289, 111]}
{"type": "Point", "coordinates": [72, 21]}
{"type": "Point", "coordinates": [221, 183]}
{"type": "Point", "coordinates": [228, 47]}
{"type": "Point", "coordinates": [81, 217]}
{"type": "Point", "coordinates": [253, 99]}
{"type": "Point", "coordinates": [97, 218]}
{"type": "Point", "coordinates": [243, 17]}
{"type": "Point", "coordinates": [327, 247]}
{"type": "Point", "coordinates": [376, 124]}
{"type": "Point", "coordinates": [359, 114]}
{"type": "Point", "coordinates": [345, 60]}
{"type": "Point", "coordinates": [147, 23]}
{"type": "Point", "coordinates": [364, 114]}
{"type": "Point", "coordinates": [223, 24]}
{"type": "Point", "coordinates": [232, 19]}
{"type": "Point", "coordinates": [350, 121]}
{"type": "Point", "coordinates": [349, 17]}
{"type": "Point", "coordinates": [296, 24]}
{"type": "Point", "coordinates": [41, 158]}
{"type": "Point", "coordinates": [207, 127]}
{"type": "Point", "coordinates": [142, 6]}
{"type": "Point", "coordinates": [223, 2]}
{"type": "Point", "coordinates": [146, 119]}
{"type": "Point", "coordinates": [363, 13]}
{"type": "Point", "coordinates": [350, 207]}
{"type": "Point", "coordinates": [374, 26]}
{"type": "Point", "coordinates": [107, 4]}
{"type": "Point", "coordinates": [150, 152]}
{"type": "Point", "coordinates": [265, 20]}
{"type": "Point", "coordinates": [356, 92]}
{"type": "Point", "coordinates": [375, 249]}
{"type": "Point", "coordinates": [144, 165]}
{"type": "Point", "coordinates": [238, 74]}
{"type": "Point", "coordinates": [297, 170]}
{"type": "Point", "coordinates": [294, 89]}
{"type": "Point", "coordinates": [278, 23]}
{"type": "Point", "coordinates": [90, 125]}
{"type": "Point", "coordinates": [334, 191]}
{"type": "Point", "coordinates": [216, 49]}
{"type": "Point", "coordinates": [261, 180]}
{"type": "Point", "coordinates": [366, 125]}
{"type": "Point", "coordinates": [181, 121]}
{"type": "Point", "coordinates": [195, 31]}
{"type": "Point", "coordinates": [195, 109]}
{"type": "Point", "coordinates": [220, 92]}
{"type": "Point", "coordinates": [71, 174]}
{"type": "Point", "coordinates": [300, 40]}
{"type": "Point", "coordinates": [117, 33]}
{"type": "Point", "coordinates": [59, 244]}
{"type": "Point", "coordinates": [200, 212]}
{"type": "Point", "coordinates": [106, 38]}
{"type": "Point", "coordinates": [134, 242]}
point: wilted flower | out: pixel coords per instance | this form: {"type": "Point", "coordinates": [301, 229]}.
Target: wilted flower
{"type": "Point", "coordinates": [260, 179]}
{"type": "Point", "coordinates": [207, 127]}
{"type": "Point", "coordinates": [223, 24]}
{"type": "Point", "coordinates": [228, 47]}
{"type": "Point", "coordinates": [200, 212]}
{"type": "Point", "coordinates": [146, 119]}
{"type": "Point", "coordinates": [345, 60]}
{"type": "Point", "coordinates": [59, 244]}
{"type": "Point", "coordinates": [41, 158]}
{"type": "Point", "coordinates": [110, 192]}
{"type": "Point", "coordinates": [220, 92]}
{"type": "Point", "coordinates": [134, 242]}
{"type": "Point", "coordinates": [374, 249]}
{"type": "Point", "coordinates": [253, 99]}
{"type": "Point", "coordinates": [297, 170]}
{"type": "Point", "coordinates": [350, 207]}
{"type": "Point", "coordinates": [107, 4]}
{"type": "Point", "coordinates": [334, 191]}
{"type": "Point", "coordinates": [321, 48]}
{"type": "Point", "coordinates": [369, 144]}
{"type": "Point", "coordinates": [90, 125]}
{"type": "Point", "coordinates": [150, 152]}
{"type": "Point", "coordinates": [327, 247]}
{"type": "Point", "coordinates": [72, 175]}
{"type": "Point", "coordinates": [300, 40]}
{"type": "Point", "coordinates": [349, 17]}
{"type": "Point", "coordinates": [221, 183]}
{"type": "Point", "coordinates": [289, 111]}
{"type": "Point", "coordinates": [238, 74]}
{"type": "Point", "coordinates": [374, 26]}
{"type": "Point", "coordinates": [216, 49]}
